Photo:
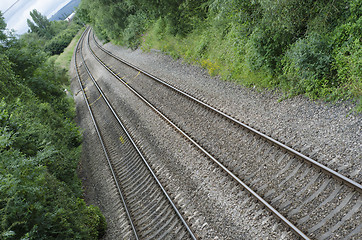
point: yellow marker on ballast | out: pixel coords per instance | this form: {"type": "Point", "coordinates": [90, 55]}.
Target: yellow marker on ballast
{"type": "Point", "coordinates": [121, 139]}
{"type": "Point", "coordinates": [96, 100]}
{"type": "Point", "coordinates": [137, 74]}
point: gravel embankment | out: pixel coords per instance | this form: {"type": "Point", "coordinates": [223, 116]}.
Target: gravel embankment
{"type": "Point", "coordinates": [327, 131]}
{"type": "Point", "coordinates": [98, 185]}
{"type": "Point", "coordinates": [217, 210]}
{"type": "Point", "coordinates": [216, 207]}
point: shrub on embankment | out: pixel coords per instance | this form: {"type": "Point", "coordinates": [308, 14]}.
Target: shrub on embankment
{"type": "Point", "coordinates": [40, 193]}
{"type": "Point", "coordinates": [310, 47]}
{"type": "Point", "coordinates": [55, 35]}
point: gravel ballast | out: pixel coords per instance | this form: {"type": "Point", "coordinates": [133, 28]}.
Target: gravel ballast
{"type": "Point", "coordinates": [291, 121]}
{"type": "Point", "coordinates": [209, 205]}
{"type": "Point", "coordinates": [328, 131]}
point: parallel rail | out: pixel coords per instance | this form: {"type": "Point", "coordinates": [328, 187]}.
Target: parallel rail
{"type": "Point", "coordinates": [132, 167]}
{"type": "Point", "coordinates": [100, 136]}
{"type": "Point", "coordinates": [345, 180]}
{"type": "Point", "coordinates": [283, 219]}
{"type": "Point", "coordinates": [335, 175]}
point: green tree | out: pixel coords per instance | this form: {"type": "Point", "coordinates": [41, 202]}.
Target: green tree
{"type": "Point", "coordinates": [40, 24]}
{"type": "Point", "coordinates": [310, 46]}
{"type": "Point", "coordinates": [40, 193]}
{"type": "Point", "coordinates": [2, 27]}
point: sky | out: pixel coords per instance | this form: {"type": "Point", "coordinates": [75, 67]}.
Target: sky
{"type": "Point", "coordinates": [16, 16]}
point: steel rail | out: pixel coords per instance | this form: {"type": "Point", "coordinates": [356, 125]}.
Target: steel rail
{"type": "Point", "coordinates": [289, 224]}
{"type": "Point", "coordinates": [138, 150]}
{"type": "Point", "coordinates": [306, 159]}
{"type": "Point", "coordinates": [100, 135]}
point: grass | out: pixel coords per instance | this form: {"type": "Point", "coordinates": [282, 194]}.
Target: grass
{"type": "Point", "coordinates": [221, 55]}
{"type": "Point", "coordinates": [63, 60]}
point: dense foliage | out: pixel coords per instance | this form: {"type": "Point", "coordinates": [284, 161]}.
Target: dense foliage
{"type": "Point", "coordinates": [40, 193]}
{"type": "Point", "coordinates": [310, 47]}
{"type": "Point", "coordinates": [58, 43]}
{"type": "Point", "coordinates": [55, 35]}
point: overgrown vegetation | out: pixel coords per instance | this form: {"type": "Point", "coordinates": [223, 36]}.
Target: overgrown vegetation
{"type": "Point", "coordinates": [63, 60]}
{"type": "Point", "coordinates": [303, 47]}
{"type": "Point", "coordinates": [40, 193]}
{"type": "Point", "coordinates": [55, 35]}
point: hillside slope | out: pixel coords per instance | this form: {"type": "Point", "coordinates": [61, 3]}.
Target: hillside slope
{"type": "Point", "coordinates": [64, 12]}
{"type": "Point", "coordinates": [302, 47]}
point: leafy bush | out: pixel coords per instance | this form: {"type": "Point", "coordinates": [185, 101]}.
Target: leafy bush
{"type": "Point", "coordinates": [308, 65]}
{"type": "Point", "coordinates": [35, 205]}
{"type": "Point", "coordinates": [137, 24]}
{"type": "Point", "coordinates": [39, 189]}
{"type": "Point", "coordinates": [159, 28]}
{"type": "Point", "coordinates": [266, 47]}
{"type": "Point", "coordinates": [40, 193]}
{"type": "Point", "coordinates": [307, 47]}
{"type": "Point", "coordinates": [9, 84]}
{"type": "Point", "coordinates": [348, 57]}
{"type": "Point", "coordinates": [58, 43]}
{"type": "Point", "coordinates": [26, 55]}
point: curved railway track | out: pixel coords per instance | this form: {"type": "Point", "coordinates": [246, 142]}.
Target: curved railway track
{"type": "Point", "coordinates": [318, 202]}
{"type": "Point", "coordinates": [150, 210]}
{"type": "Point", "coordinates": [299, 155]}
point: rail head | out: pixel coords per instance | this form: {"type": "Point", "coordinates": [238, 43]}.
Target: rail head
{"type": "Point", "coordinates": [192, 235]}
{"type": "Point", "coordinates": [80, 41]}
{"type": "Point", "coordinates": [284, 220]}
{"type": "Point", "coordinates": [349, 182]}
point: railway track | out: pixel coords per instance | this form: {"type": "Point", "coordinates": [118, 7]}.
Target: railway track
{"type": "Point", "coordinates": [311, 199]}
{"type": "Point", "coordinates": [150, 211]}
